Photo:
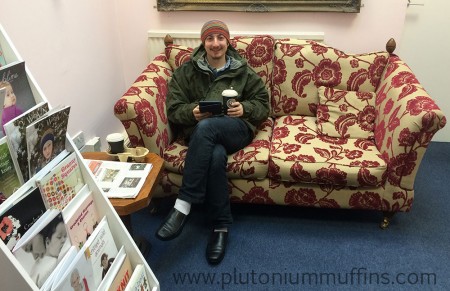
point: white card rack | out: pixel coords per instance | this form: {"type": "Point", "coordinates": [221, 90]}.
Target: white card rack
{"type": "Point", "coordinates": [12, 275]}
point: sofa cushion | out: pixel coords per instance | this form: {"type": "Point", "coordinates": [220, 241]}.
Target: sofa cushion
{"type": "Point", "coordinates": [345, 114]}
{"type": "Point", "coordinates": [301, 66]}
{"type": "Point", "coordinates": [251, 162]}
{"type": "Point", "coordinates": [298, 154]}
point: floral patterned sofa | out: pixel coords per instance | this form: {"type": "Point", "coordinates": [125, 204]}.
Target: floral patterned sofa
{"type": "Point", "coordinates": [346, 130]}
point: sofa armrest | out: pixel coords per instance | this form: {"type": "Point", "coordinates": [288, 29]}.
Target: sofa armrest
{"type": "Point", "coordinates": [142, 109]}
{"type": "Point", "coordinates": [407, 118]}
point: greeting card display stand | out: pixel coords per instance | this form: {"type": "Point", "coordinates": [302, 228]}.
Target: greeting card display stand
{"type": "Point", "coordinates": [13, 276]}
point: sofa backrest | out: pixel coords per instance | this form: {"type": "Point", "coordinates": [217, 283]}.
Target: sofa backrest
{"type": "Point", "coordinates": [301, 66]}
{"type": "Point", "coordinates": [258, 51]}
{"type": "Point", "coordinates": [293, 69]}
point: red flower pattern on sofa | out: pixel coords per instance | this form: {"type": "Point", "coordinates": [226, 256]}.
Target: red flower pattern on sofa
{"type": "Point", "coordinates": [379, 121]}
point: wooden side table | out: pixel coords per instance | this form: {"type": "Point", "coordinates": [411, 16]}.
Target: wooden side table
{"type": "Point", "coordinates": [126, 206]}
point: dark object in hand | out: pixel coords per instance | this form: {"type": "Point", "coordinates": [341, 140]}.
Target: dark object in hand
{"type": "Point", "coordinates": [215, 107]}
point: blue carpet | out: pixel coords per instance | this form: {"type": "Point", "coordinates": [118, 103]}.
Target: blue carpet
{"type": "Point", "coordinates": [289, 248]}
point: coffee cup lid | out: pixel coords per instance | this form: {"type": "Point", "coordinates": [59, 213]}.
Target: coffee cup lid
{"type": "Point", "coordinates": [229, 92]}
{"type": "Point", "coordinates": [114, 137]}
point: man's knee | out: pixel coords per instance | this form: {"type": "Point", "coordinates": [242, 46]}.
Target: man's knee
{"type": "Point", "coordinates": [219, 157]}
{"type": "Point", "coordinates": [205, 126]}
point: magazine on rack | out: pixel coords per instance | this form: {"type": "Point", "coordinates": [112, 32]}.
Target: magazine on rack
{"type": "Point", "coordinates": [17, 141]}
{"type": "Point", "coordinates": [9, 174]}
{"type": "Point", "coordinates": [92, 261]}
{"type": "Point", "coordinates": [117, 179]}
{"type": "Point", "coordinates": [46, 138]}
{"type": "Point", "coordinates": [18, 94]}
{"type": "Point", "coordinates": [43, 246]}
{"type": "Point", "coordinates": [138, 280]}
{"type": "Point", "coordinates": [119, 272]}
{"type": "Point", "coordinates": [2, 57]}
{"type": "Point", "coordinates": [61, 183]}
{"type": "Point", "coordinates": [60, 268]}
{"type": "Point", "coordinates": [19, 213]}
{"type": "Point", "coordinates": [81, 217]}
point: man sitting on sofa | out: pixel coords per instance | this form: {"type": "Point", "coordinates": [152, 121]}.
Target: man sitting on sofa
{"type": "Point", "coordinates": [214, 67]}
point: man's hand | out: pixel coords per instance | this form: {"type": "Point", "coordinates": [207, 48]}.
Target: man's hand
{"type": "Point", "coordinates": [236, 110]}
{"type": "Point", "coordinates": [198, 115]}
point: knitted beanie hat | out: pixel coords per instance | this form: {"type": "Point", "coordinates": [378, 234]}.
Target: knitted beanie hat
{"type": "Point", "coordinates": [214, 26]}
{"type": "Point", "coordinates": [48, 135]}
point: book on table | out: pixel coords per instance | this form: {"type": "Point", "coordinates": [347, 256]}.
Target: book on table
{"type": "Point", "coordinates": [60, 184]}
{"type": "Point", "coordinates": [9, 174]}
{"type": "Point", "coordinates": [81, 217]}
{"type": "Point", "coordinates": [18, 94]}
{"type": "Point", "coordinates": [46, 138]}
{"type": "Point", "coordinates": [118, 179]}
{"type": "Point", "coordinates": [18, 213]}
{"type": "Point", "coordinates": [16, 136]}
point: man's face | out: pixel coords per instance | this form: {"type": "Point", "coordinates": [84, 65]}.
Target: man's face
{"type": "Point", "coordinates": [216, 46]}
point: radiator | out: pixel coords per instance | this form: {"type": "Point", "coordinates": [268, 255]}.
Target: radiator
{"type": "Point", "coordinates": [192, 39]}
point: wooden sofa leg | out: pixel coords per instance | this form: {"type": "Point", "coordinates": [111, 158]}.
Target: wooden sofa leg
{"type": "Point", "coordinates": [387, 216]}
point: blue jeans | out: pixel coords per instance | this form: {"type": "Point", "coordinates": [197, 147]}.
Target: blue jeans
{"type": "Point", "coordinates": [204, 177]}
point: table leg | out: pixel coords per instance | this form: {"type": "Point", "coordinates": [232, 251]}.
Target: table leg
{"type": "Point", "coordinates": [126, 219]}
{"type": "Point", "coordinates": [142, 243]}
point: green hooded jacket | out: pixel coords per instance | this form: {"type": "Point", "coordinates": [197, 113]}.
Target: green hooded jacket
{"type": "Point", "coordinates": [193, 82]}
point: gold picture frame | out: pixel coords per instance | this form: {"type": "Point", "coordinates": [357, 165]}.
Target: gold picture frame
{"type": "Point", "coordinates": [347, 6]}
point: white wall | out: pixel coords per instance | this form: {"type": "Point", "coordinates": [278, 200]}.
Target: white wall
{"type": "Point", "coordinates": [369, 30]}
{"type": "Point", "coordinates": [425, 46]}
{"type": "Point", "coordinates": [86, 53]}
{"type": "Point", "coordinates": [76, 50]}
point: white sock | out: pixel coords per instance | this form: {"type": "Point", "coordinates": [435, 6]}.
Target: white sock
{"type": "Point", "coordinates": [222, 229]}
{"type": "Point", "coordinates": [182, 206]}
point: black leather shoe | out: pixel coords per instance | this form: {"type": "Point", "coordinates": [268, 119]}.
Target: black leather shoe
{"type": "Point", "coordinates": [172, 226]}
{"type": "Point", "coordinates": [215, 251]}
